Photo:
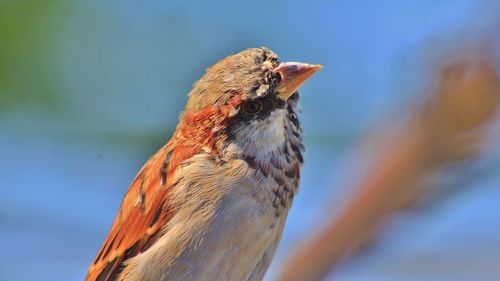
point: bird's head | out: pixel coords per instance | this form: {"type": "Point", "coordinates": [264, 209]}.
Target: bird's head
{"type": "Point", "coordinates": [245, 104]}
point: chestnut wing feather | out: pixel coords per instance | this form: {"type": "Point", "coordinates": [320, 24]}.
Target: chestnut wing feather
{"type": "Point", "coordinates": [142, 214]}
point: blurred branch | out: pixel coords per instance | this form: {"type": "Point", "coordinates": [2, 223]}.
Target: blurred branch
{"type": "Point", "coordinates": [446, 129]}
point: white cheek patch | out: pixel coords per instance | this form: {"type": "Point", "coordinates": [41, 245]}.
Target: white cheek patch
{"type": "Point", "coordinates": [262, 136]}
{"type": "Point", "coordinates": [274, 134]}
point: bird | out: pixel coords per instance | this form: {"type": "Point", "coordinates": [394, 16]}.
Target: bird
{"type": "Point", "coordinates": [211, 204]}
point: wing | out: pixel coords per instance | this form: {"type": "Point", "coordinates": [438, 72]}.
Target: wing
{"type": "Point", "coordinates": [143, 213]}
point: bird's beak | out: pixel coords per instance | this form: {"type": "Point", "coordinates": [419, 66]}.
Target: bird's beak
{"type": "Point", "coordinates": [293, 74]}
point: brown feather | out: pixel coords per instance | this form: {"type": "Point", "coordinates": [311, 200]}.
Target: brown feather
{"type": "Point", "coordinates": [142, 215]}
{"type": "Point", "coordinates": [145, 210]}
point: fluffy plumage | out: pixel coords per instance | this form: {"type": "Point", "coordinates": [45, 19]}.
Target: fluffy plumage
{"type": "Point", "coordinates": [212, 203]}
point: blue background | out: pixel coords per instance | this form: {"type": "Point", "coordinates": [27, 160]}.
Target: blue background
{"type": "Point", "coordinates": [90, 89]}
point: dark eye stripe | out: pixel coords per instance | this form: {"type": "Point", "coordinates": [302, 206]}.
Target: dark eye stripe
{"type": "Point", "coordinates": [268, 104]}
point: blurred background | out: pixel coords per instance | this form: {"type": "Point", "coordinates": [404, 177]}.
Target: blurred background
{"type": "Point", "coordinates": [90, 89]}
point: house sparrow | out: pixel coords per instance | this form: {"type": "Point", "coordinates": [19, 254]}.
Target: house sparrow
{"type": "Point", "coordinates": [211, 204]}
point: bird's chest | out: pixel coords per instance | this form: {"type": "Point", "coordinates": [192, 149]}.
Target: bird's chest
{"type": "Point", "coordinates": [239, 237]}
{"type": "Point", "coordinates": [246, 225]}
{"type": "Point", "coordinates": [226, 233]}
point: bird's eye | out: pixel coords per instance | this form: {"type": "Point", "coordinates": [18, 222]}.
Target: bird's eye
{"type": "Point", "coordinates": [252, 107]}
